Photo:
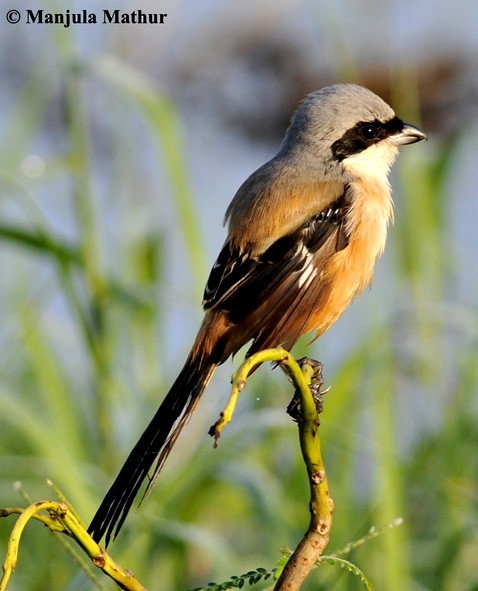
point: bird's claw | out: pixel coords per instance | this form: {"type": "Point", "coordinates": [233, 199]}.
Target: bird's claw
{"type": "Point", "coordinates": [316, 383]}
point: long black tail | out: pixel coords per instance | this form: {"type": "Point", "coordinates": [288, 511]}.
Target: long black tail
{"type": "Point", "coordinates": [155, 443]}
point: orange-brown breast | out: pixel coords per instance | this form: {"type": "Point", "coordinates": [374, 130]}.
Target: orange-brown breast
{"type": "Point", "coordinates": [350, 270]}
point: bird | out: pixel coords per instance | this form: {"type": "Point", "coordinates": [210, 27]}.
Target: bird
{"type": "Point", "coordinates": [304, 233]}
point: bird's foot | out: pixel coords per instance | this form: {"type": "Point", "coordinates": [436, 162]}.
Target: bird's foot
{"type": "Point", "coordinates": [316, 383]}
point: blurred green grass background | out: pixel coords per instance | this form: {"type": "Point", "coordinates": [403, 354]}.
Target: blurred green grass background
{"type": "Point", "coordinates": [86, 358]}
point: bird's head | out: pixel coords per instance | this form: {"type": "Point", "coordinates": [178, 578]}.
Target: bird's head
{"type": "Point", "coordinates": [348, 129]}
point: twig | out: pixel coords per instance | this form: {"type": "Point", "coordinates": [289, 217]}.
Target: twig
{"type": "Point", "coordinates": [321, 505]}
{"type": "Point", "coordinates": [62, 519]}
{"type": "Point", "coordinates": [239, 381]}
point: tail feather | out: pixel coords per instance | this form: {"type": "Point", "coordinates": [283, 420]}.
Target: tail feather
{"type": "Point", "coordinates": [154, 444]}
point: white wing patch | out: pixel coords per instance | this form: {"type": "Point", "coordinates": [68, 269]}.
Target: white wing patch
{"type": "Point", "coordinates": [309, 271]}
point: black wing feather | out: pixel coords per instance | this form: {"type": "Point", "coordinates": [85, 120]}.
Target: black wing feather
{"type": "Point", "coordinates": [239, 282]}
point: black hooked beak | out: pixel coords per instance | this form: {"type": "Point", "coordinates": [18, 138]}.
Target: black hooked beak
{"type": "Point", "coordinates": [408, 135]}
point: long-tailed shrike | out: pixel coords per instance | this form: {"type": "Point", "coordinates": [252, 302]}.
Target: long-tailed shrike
{"type": "Point", "coordinates": [304, 232]}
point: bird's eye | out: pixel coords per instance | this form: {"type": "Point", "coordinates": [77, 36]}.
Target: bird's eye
{"type": "Point", "coordinates": [369, 131]}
